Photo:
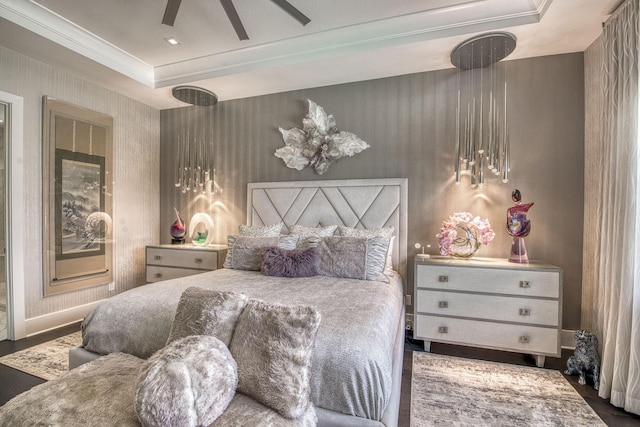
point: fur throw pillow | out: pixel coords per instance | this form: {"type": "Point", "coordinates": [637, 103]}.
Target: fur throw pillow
{"type": "Point", "coordinates": [273, 347]}
{"type": "Point", "coordinates": [289, 263]}
{"type": "Point", "coordinates": [190, 382]}
{"type": "Point", "coordinates": [206, 312]}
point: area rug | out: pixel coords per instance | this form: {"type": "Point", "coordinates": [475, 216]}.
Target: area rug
{"type": "Point", "coordinates": [48, 360]}
{"type": "Point", "coordinates": [450, 391]}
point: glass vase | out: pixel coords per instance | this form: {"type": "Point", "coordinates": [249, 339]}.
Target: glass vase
{"type": "Point", "coordinates": [468, 242]}
{"type": "Point", "coordinates": [177, 229]}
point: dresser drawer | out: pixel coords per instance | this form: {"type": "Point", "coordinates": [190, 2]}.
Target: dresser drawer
{"type": "Point", "coordinates": [156, 273]}
{"type": "Point", "coordinates": [520, 338]}
{"type": "Point", "coordinates": [489, 280]}
{"type": "Point", "coordinates": [488, 307]}
{"type": "Point", "coordinates": [184, 258]}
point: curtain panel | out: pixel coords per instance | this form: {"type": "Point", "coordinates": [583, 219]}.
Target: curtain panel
{"type": "Point", "coordinates": [616, 287]}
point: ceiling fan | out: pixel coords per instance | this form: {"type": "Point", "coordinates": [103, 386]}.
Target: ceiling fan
{"type": "Point", "coordinates": [173, 5]}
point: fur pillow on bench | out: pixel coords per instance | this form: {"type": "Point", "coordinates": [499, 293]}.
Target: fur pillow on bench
{"type": "Point", "coordinates": [190, 381]}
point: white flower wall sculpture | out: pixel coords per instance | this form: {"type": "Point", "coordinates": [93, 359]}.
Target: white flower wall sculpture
{"type": "Point", "coordinates": [319, 143]}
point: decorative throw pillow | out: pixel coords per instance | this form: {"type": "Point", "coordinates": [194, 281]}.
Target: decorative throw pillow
{"type": "Point", "coordinates": [353, 257]}
{"type": "Point", "coordinates": [370, 233]}
{"type": "Point", "coordinates": [289, 263]}
{"type": "Point", "coordinates": [273, 347]}
{"type": "Point", "coordinates": [245, 253]}
{"type": "Point", "coordinates": [261, 230]}
{"type": "Point", "coordinates": [190, 382]}
{"type": "Point", "coordinates": [311, 233]}
{"type": "Point", "coordinates": [206, 312]}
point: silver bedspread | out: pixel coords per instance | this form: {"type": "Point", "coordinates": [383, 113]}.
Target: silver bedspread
{"type": "Point", "coordinates": [353, 350]}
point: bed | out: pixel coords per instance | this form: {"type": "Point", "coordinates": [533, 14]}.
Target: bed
{"type": "Point", "coordinates": [358, 351]}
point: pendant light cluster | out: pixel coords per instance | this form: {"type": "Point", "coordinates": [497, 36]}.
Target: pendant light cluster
{"type": "Point", "coordinates": [482, 130]}
{"type": "Point", "coordinates": [194, 157]}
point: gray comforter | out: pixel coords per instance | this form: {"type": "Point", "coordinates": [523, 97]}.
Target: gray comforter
{"type": "Point", "coordinates": [353, 350]}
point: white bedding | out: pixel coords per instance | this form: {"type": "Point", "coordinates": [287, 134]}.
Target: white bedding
{"type": "Point", "coordinates": [353, 352]}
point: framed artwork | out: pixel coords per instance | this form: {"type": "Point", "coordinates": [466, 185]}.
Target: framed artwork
{"type": "Point", "coordinates": [77, 199]}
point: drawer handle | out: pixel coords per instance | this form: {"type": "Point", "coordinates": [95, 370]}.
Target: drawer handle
{"type": "Point", "coordinates": [157, 257]}
{"type": "Point", "coordinates": [158, 275]}
{"type": "Point", "coordinates": [525, 312]}
{"type": "Point", "coordinates": [443, 330]}
{"type": "Point", "coordinates": [443, 279]}
{"type": "Point", "coordinates": [525, 284]}
{"type": "Point", "coordinates": [524, 339]}
{"type": "Point", "coordinates": [198, 260]}
{"type": "Point", "coordinates": [443, 304]}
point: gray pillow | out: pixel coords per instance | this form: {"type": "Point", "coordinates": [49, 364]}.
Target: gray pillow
{"type": "Point", "coordinates": [245, 253]}
{"type": "Point", "coordinates": [190, 382]}
{"type": "Point", "coordinates": [261, 230]}
{"type": "Point", "coordinates": [371, 233]}
{"type": "Point", "coordinates": [273, 347]}
{"type": "Point", "coordinates": [206, 312]}
{"type": "Point", "coordinates": [353, 257]}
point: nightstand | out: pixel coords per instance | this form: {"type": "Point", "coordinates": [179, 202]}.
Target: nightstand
{"type": "Point", "coordinates": [164, 262]}
{"type": "Point", "coordinates": [490, 303]}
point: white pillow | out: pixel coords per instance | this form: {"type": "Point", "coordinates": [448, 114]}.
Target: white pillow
{"type": "Point", "coordinates": [311, 234]}
{"type": "Point", "coordinates": [261, 230]}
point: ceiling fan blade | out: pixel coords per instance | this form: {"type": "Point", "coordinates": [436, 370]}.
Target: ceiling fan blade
{"type": "Point", "coordinates": [232, 14]}
{"type": "Point", "coordinates": [291, 10]}
{"type": "Point", "coordinates": [170, 12]}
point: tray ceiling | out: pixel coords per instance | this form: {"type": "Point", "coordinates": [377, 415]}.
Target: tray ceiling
{"type": "Point", "coordinates": [121, 45]}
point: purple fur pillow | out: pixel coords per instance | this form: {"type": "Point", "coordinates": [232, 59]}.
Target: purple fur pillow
{"type": "Point", "coordinates": [289, 262]}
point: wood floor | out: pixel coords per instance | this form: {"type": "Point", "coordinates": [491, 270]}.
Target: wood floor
{"type": "Point", "coordinates": [13, 382]}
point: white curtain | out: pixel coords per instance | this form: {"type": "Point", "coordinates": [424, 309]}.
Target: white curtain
{"type": "Point", "coordinates": [617, 288]}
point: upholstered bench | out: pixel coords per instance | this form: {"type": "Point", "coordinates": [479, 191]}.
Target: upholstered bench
{"type": "Point", "coordinates": [102, 393]}
{"type": "Point", "coordinates": [229, 361]}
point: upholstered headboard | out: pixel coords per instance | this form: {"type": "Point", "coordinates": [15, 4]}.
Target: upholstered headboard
{"type": "Point", "coordinates": [362, 203]}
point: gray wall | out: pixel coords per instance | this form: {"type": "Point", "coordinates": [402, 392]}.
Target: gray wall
{"type": "Point", "coordinates": [135, 180]}
{"type": "Point", "coordinates": [409, 122]}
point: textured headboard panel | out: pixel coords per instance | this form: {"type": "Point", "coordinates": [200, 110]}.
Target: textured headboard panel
{"type": "Point", "coordinates": [363, 203]}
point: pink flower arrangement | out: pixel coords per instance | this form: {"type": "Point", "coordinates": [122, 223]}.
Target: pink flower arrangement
{"type": "Point", "coordinates": [476, 231]}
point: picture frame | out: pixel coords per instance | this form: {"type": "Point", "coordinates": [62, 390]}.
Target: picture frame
{"type": "Point", "coordinates": [77, 197]}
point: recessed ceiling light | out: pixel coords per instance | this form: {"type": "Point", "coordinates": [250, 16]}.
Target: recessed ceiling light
{"type": "Point", "coordinates": [172, 41]}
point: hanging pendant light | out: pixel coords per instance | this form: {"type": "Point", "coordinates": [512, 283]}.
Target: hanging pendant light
{"type": "Point", "coordinates": [482, 131]}
{"type": "Point", "coordinates": [194, 158]}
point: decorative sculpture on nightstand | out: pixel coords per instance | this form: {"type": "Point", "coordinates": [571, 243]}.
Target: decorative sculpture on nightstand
{"type": "Point", "coordinates": [462, 234]}
{"type": "Point", "coordinates": [177, 229]}
{"type": "Point", "coordinates": [518, 226]}
{"type": "Point", "coordinates": [201, 229]}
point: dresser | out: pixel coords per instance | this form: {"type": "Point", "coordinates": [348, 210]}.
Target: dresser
{"type": "Point", "coordinates": [489, 303]}
{"type": "Point", "coordinates": [164, 262]}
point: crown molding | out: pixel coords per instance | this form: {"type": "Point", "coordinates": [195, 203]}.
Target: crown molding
{"type": "Point", "coordinates": [40, 20]}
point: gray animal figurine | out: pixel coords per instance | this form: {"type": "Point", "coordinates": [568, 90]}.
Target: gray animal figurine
{"type": "Point", "coordinates": [585, 360]}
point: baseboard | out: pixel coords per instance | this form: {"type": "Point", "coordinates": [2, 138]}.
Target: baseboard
{"type": "Point", "coordinates": [566, 337]}
{"type": "Point", "coordinates": [47, 322]}
{"type": "Point", "coordinates": [567, 340]}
